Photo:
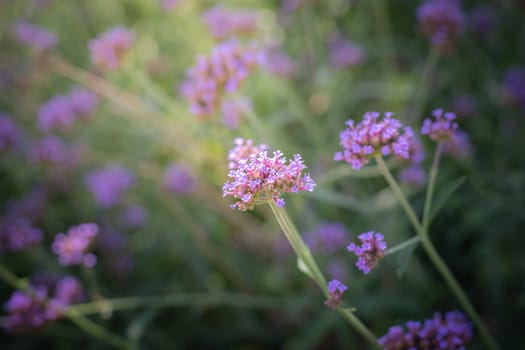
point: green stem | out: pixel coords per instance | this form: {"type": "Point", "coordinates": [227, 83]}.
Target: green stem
{"type": "Point", "coordinates": [405, 244]}
{"type": "Point", "coordinates": [304, 255]}
{"type": "Point", "coordinates": [421, 93]}
{"type": "Point", "coordinates": [431, 186]}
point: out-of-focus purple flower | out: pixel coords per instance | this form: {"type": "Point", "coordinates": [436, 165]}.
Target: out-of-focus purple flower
{"type": "Point", "coordinates": [170, 5]}
{"type": "Point", "coordinates": [336, 290]}
{"type": "Point", "coordinates": [328, 238]}
{"type": "Point", "coordinates": [49, 149]}
{"type": "Point", "coordinates": [416, 151]}
{"type": "Point", "coordinates": [451, 332]}
{"type": "Point", "coordinates": [344, 53]}
{"type": "Point", "coordinates": [373, 136]}
{"type": "Point", "coordinates": [464, 106]}
{"type": "Point", "coordinates": [413, 176]}
{"type": "Point", "coordinates": [17, 234]}
{"type": "Point", "coordinates": [73, 248]}
{"type": "Point", "coordinates": [242, 150]}
{"type": "Point", "coordinates": [224, 23]}
{"type": "Point", "coordinates": [372, 250]}
{"type": "Point", "coordinates": [442, 128]}
{"type": "Point", "coordinates": [30, 206]}
{"type": "Point", "coordinates": [37, 38]}
{"type": "Point", "coordinates": [337, 269]}
{"type": "Point", "coordinates": [279, 63]}
{"type": "Point", "coordinates": [10, 133]}
{"type": "Point", "coordinates": [108, 49]}
{"type": "Point", "coordinates": [482, 20]}
{"type": "Point", "coordinates": [112, 247]}
{"type": "Point", "coordinates": [134, 216]}
{"type": "Point", "coordinates": [234, 110]}
{"type": "Point", "coordinates": [442, 21]}
{"type": "Point", "coordinates": [223, 72]}
{"type": "Point", "coordinates": [459, 146]}
{"type": "Point", "coordinates": [109, 184]}
{"type": "Point", "coordinates": [261, 178]}
{"type": "Point", "coordinates": [178, 178]}
{"type": "Point", "coordinates": [514, 86]}
{"type": "Point", "coordinates": [56, 114]}
{"type": "Point", "coordinates": [69, 290]}
{"type": "Point", "coordinates": [82, 101]}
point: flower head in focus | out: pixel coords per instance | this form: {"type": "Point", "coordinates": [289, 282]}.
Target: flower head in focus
{"type": "Point", "coordinates": [373, 135]}
{"type": "Point", "coordinates": [261, 178]}
{"type": "Point", "coordinates": [73, 248]}
{"type": "Point", "coordinates": [109, 48]}
{"type": "Point", "coordinates": [243, 150]}
{"type": "Point", "coordinates": [35, 37]}
{"type": "Point", "coordinates": [336, 290]}
{"type": "Point", "coordinates": [372, 250]}
{"type": "Point", "coordinates": [442, 128]}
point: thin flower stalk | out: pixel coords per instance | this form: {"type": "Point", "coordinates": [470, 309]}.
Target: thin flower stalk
{"type": "Point", "coordinates": [431, 186]}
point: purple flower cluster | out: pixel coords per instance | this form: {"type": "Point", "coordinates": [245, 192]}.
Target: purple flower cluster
{"type": "Point", "coordinates": [451, 332]}
{"type": "Point", "coordinates": [514, 86]}
{"type": "Point", "coordinates": [223, 72]}
{"type": "Point", "coordinates": [134, 216]}
{"type": "Point", "coordinates": [336, 290]}
{"type": "Point", "coordinates": [372, 250]}
{"type": "Point", "coordinates": [261, 178]}
{"type": "Point", "coordinates": [61, 111]}
{"type": "Point", "coordinates": [112, 246]}
{"type": "Point", "coordinates": [459, 146]}
{"type": "Point", "coordinates": [224, 23]}
{"type": "Point", "coordinates": [49, 149]}
{"type": "Point", "coordinates": [72, 248]}
{"type": "Point", "coordinates": [344, 53]}
{"type": "Point", "coordinates": [234, 110]}
{"type": "Point", "coordinates": [413, 176]}
{"type": "Point", "coordinates": [442, 21]}
{"type": "Point", "coordinates": [279, 63]}
{"type": "Point", "coordinates": [442, 128]}
{"type": "Point", "coordinates": [108, 49]}
{"type": "Point", "coordinates": [34, 308]}
{"type": "Point", "coordinates": [17, 234]}
{"type": "Point", "coordinates": [328, 238]}
{"type": "Point", "coordinates": [243, 150]}
{"type": "Point", "coordinates": [373, 136]}
{"type": "Point", "coordinates": [10, 133]}
{"type": "Point", "coordinates": [109, 184]}
{"type": "Point", "coordinates": [179, 179]}
{"type": "Point", "coordinates": [35, 37]}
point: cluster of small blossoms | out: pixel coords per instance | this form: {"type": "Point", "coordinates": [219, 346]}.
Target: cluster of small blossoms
{"type": "Point", "coordinates": [373, 136]}
{"type": "Point", "coordinates": [179, 179]}
{"type": "Point", "coordinates": [243, 150]}
{"type": "Point", "coordinates": [459, 146]}
{"type": "Point", "coordinates": [34, 308]}
{"type": "Point", "coordinates": [451, 332]}
{"type": "Point", "coordinates": [514, 86]}
{"type": "Point", "coordinates": [442, 21]}
{"type": "Point", "coordinates": [329, 237]}
{"type": "Point", "coordinates": [17, 234]}
{"type": "Point", "coordinates": [336, 290]}
{"type": "Point", "coordinates": [414, 175]}
{"type": "Point", "coordinates": [61, 111]}
{"type": "Point", "coordinates": [49, 149]}
{"type": "Point", "coordinates": [442, 128]}
{"type": "Point", "coordinates": [345, 54]}
{"type": "Point", "coordinates": [223, 72]}
{"type": "Point", "coordinates": [108, 49]}
{"type": "Point", "coordinates": [34, 37]}
{"type": "Point", "coordinates": [109, 184]}
{"type": "Point", "coordinates": [73, 248]}
{"type": "Point", "coordinates": [261, 178]}
{"type": "Point", "coordinates": [10, 133]}
{"type": "Point", "coordinates": [372, 249]}
{"type": "Point", "coordinates": [224, 23]}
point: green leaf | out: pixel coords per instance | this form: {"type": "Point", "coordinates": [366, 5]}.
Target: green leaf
{"type": "Point", "coordinates": [444, 195]}
{"type": "Point", "coordinates": [303, 268]}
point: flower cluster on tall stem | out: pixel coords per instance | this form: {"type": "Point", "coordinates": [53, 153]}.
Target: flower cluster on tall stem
{"type": "Point", "coordinates": [372, 250]}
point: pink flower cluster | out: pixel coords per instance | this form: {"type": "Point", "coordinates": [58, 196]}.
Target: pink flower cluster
{"type": "Point", "coordinates": [72, 249]}
{"type": "Point", "coordinates": [61, 111]}
{"type": "Point", "coordinates": [223, 72]}
{"type": "Point", "coordinates": [336, 290]}
{"type": "Point", "coordinates": [262, 178]}
{"type": "Point", "coordinates": [224, 23]}
{"type": "Point", "coordinates": [35, 37]}
{"type": "Point", "coordinates": [243, 150]}
{"type": "Point", "coordinates": [442, 128]}
{"type": "Point", "coordinates": [108, 49]}
{"type": "Point", "coordinates": [372, 250]}
{"type": "Point", "coordinates": [373, 136]}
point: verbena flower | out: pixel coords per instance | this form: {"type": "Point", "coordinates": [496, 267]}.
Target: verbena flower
{"type": "Point", "coordinates": [459, 146]}
{"type": "Point", "coordinates": [442, 21]}
{"type": "Point", "coordinates": [234, 110]}
{"type": "Point", "coordinates": [179, 179]}
{"type": "Point", "coordinates": [35, 37]}
{"type": "Point", "coordinates": [224, 23]}
{"type": "Point", "coordinates": [31, 205]}
{"type": "Point", "coordinates": [442, 128]}
{"type": "Point", "coordinates": [56, 114]}
{"type": "Point", "coordinates": [18, 234]}
{"type": "Point", "coordinates": [279, 63]}
{"type": "Point", "coordinates": [49, 149]}
{"type": "Point", "coordinates": [134, 216]}
{"type": "Point", "coordinates": [373, 136]}
{"type": "Point", "coordinates": [335, 293]}
{"type": "Point", "coordinates": [10, 133]}
{"type": "Point", "coordinates": [109, 184]}
{"type": "Point", "coordinates": [223, 72]}
{"type": "Point", "coordinates": [344, 53]}
{"type": "Point", "coordinates": [109, 48]}
{"type": "Point", "coordinates": [451, 332]}
{"type": "Point", "coordinates": [413, 176]}
{"type": "Point", "coordinates": [372, 250]}
{"type": "Point", "coordinates": [82, 101]}
{"type": "Point", "coordinates": [73, 248]}
{"type": "Point", "coordinates": [328, 238]}
{"type": "Point", "coordinates": [261, 178]}
{"type": "Point", "coordinates": [243, 150]}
